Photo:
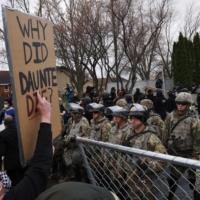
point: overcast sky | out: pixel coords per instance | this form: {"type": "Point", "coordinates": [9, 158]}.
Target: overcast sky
{"type": "Point", "coordinates": [180, 5]}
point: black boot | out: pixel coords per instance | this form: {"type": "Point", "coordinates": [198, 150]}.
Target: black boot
{"type": "Point", "coordinates": [84, 174]}
{"type": "Point", "coordinates": [77, 174]}
{"type": "Point", "coordinates": [172, 181]}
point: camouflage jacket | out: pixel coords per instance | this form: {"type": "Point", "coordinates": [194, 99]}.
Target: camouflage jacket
{"type": "Point", "coordinates": [99, 129]}
{"type": "Point", "coordinates": [81, 128]}
{"type": "Point", "coordinates": [185, 137]}
{"type": "Point", "coordinates": [146, 140]}
{"type": "Point", "coordinates": [157, 123]}
{"type": "Point", "coordinates": [116, 136]}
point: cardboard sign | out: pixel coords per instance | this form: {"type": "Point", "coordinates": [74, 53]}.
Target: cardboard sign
{"type": "Point", "coordinates": [31, 59]}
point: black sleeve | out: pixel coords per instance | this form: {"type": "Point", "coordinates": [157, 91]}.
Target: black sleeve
{"type": "Point", "coordinates": [36, 177]}
{"type": "Point", "coordinates": [2, 146]}
{"type": "Point", "coordinates": [1, 116]}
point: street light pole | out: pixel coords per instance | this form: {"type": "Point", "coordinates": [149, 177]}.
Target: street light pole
{"type": "Point", "coordinates": [115, 44]}
{"type": "Point", "coordinates": [163, 77]}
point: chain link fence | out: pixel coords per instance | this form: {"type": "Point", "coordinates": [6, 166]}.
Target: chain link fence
{"type": "Point", "coordinates": [138, 174]}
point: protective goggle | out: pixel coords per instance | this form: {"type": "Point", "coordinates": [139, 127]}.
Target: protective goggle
{"type": "Point", "coordinates": [181, 103]}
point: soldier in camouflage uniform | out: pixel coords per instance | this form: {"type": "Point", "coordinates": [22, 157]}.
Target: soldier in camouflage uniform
{"type": "Point", "coordinates": [182, 138]}
{"type": "Point", "coordinates": [154, 119]}
{"type": "Point", "coordinates": [100, 127]}
{"type": "Point", "coordinates": [145, 184]}
{"type": "Point", "coordinates": [79, 127]}
{"type": "Point", "coordinates": [117, 135]}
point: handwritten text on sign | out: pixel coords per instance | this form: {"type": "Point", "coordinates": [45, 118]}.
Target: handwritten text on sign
{"type": "Point", "coordinates": [43, 79]}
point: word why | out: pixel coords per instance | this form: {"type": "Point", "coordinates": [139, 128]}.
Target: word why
{"type": "Point", "coordinates": [28, 29]}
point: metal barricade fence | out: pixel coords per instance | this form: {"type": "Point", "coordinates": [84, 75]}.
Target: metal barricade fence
{"type": "Point", "coordinates": [138, 174]}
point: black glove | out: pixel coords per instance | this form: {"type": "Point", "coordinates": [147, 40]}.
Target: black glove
{"type": "Point", "coordinates": [140, 166]}
{"type": "Point", "coordinates": [72, 139]}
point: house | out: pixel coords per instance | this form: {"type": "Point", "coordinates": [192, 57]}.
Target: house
{"type": "Point", "coordinates": [5, 83]}
{"type": "Point", "coordinates": [63, 79]}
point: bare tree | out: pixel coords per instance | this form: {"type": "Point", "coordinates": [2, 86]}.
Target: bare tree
{"type": "Point", "coordinates": [141, 23]}
{"type": "Point", "coordinates": [192, 20]}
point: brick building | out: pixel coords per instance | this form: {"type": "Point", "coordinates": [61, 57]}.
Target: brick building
{"type": "Point", "coordinates": [5, 84]}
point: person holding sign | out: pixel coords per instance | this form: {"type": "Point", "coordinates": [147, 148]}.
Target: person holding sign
{"type": "Point", "coordinates": [36, 177]}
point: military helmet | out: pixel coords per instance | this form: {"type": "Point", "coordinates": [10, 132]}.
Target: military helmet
{"type": "Point", "coordinates": [92, 107]}
{"type": "Point", "coordinates": [121, 102]}
{"type": "Point", "coordinates": [184, 97]}
{"type": "Point", "coordinates": [128, 97]}
{"type": "Point", "coordinates": [139, 111]}
{"type": "Point", "coordinates": [117, 111]}
{"type": "Point", "coordinates": [106, 96]}
{"type": "Point", "coordinates": [147, 103]}
{"type": "Point", "coordinates": [75, 107]}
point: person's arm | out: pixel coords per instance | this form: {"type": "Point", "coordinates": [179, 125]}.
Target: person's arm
{"type": "Point", "coordinates": [105, 130]}
{"type": "Point", "coordinates": [166, 131]}
{"type": "Point", "coordinates": [36, 177]}
{"type": "Point", "coordinates": [196, 136]}
{"type": "Point", "coordinates": [155, 145]}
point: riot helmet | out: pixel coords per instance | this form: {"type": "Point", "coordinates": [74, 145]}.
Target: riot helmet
{"type": "Point", "coordinates": [117, 111]}
{"type": "Point", "coordinates": [92, 107]}
{"type": "Point", "coordinates": [139, 111]}
{"type": "Point", "coordinates": [73, 107]}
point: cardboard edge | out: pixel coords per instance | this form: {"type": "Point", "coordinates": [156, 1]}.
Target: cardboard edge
{"type": "Point", "coordinates": [10, 64]}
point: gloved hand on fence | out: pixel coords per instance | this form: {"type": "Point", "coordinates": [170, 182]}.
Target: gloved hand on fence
{"type": "Point", "coordinates": [141, 166]}
{"type": "Point", "coordinates": [69, 139]}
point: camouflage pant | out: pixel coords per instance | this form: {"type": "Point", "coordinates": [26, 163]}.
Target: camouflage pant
{"type": "Point", "coordinates": [150, 187]}
{"type": "Point", "coordinates": [178, 170]}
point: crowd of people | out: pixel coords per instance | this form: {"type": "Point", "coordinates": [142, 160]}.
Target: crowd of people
{"type": "Point", "coordinates": [147, 121]}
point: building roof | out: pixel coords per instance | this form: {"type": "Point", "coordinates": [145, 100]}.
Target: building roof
{"type": "Point", "coordinates": [4, 77]}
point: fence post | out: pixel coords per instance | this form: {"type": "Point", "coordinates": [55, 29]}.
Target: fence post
{"type": "Point", "coordinates": [86, 164]}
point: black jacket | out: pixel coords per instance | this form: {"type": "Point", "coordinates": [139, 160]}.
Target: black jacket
{"type": "Point", "coordinates": [9, 148]}
{"type": "Point", "coordinates": [36, 178]}
{"type": "Point", "coordinates": [151, 97]}
{"type": "Point", "coordinates": [171, 104]}
{"type": "Point", "coordinates": [136, 96]}
{"type": "Point", "coordinates": [160, 105]}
